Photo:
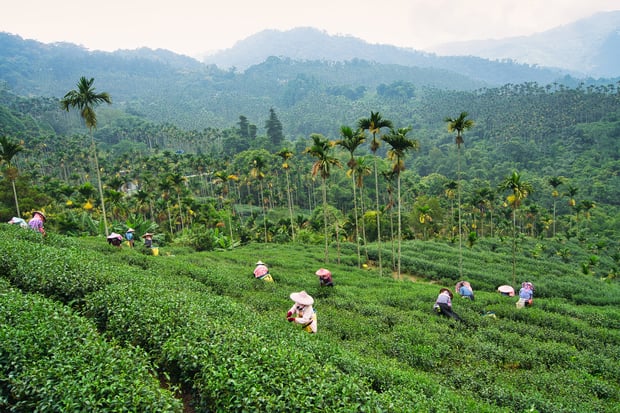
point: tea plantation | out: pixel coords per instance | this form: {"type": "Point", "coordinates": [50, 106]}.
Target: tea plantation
{"type": "Point", "coordinates": [87, 327]}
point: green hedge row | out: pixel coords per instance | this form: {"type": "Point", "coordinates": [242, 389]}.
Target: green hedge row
{"type": "Point", "coordinates": [222, 337]}
{"type": "Point", "coordinates": [52, 360]}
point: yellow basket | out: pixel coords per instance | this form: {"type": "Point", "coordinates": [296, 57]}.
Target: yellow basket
{"type": "Point", "coordinates": [155, 251]}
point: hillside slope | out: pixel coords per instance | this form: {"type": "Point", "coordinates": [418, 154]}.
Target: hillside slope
{"type": "Point", "coordinates": [223, 335]}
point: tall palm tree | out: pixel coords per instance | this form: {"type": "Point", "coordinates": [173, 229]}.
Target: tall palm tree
{"type": "Point", "coordinates": [165, 186]}
{"type": "Point", "coordinates": [571, 192]}
{"type": "Point", "coordinates": [361, 170]}
{"type": "Point", "coordinates": [178, 182]}
{"type": "Point", "coordinates": [460, 124]}
{"type": "Point", "coordinates": [221, 177]}
{"type": "Point", "coordinates": [85, 100]}
{"type": "Point", "coordinates": [350, 141]}
{"type": "Point", "coordinates": [258, 164]}
{"type": "Point", "coordinates": [520, 190]}
{"type": "Point", "coordinates": [555, 181]}
{"type": "Point", "coordinates": [389, 176]}
{"type": "Point", "coordinates": [8, 151]}
{"type": "Point", "coordinates": [286, 154]}
{"type": "Point", "coordinates": [400, 144]}
{"type": "Point", "coordinates": [373, 124]}
{"type": "Point", "coordinates": [321, 149]}
{"type": "Point", "coordinates": [450, 188]}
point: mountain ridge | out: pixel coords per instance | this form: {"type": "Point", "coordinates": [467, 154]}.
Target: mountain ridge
{"type": "Point", "coordinates": [586, 49]}
{"type": "Point", "coordinates": [587, 46]}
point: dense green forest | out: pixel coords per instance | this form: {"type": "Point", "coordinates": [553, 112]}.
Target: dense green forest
{"type": "Point", "coordinates": [563, 141]}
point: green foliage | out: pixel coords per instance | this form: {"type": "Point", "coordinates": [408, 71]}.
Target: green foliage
{"type": "Point", "coordinates": [221, 336]}
{"type": "Point", "coordinates": [53, 360]}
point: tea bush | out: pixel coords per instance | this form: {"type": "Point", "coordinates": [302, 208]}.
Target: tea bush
{"type": "Point", "coordinates": [52, 360]}
{"type": "Point", "coordinates": [221, 336]}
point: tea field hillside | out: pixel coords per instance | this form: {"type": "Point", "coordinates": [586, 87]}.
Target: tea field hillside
{"type": "Point", "coordinates": [85, 326]}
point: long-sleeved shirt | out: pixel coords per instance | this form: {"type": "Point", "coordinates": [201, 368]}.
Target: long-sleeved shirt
{"type": "Point", "coordinates": [526, 293]}
{"type": "Point", "coordinates": [306, 316]}
{"type": "Point", "coordinates": [443, 298]}
{"type": "Point", "coordinates": [465, 291]}
{"type": "Point", "coordinates": [36, 223]}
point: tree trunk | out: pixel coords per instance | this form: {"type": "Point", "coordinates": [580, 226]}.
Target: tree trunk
{"type": "Point", "coordinates": [290, 205]}
{"type": "Point", "coordinates": [15, 196]}
{"type": "Point", "coordinates": [105, 220]}
{"type": "Point", "coordinates": [378, 218]}
{"type": "Point", "coordinates": [357, 237]}
{"type": "Point", "coordinates": [458, 190]}
{"type": "Point", "coordinates": [325, 218]}
{"type": "Point", "coordinates": [399, 227]}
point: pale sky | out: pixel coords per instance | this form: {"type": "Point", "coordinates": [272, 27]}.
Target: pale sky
{"type": "Point", "coordinates": [195, 27]}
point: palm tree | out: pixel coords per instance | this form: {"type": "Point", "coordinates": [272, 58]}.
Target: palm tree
{"type": "Point", "coordinates": [400, 145]}
{"type": "Point", "coordinates": [555, 181]}
{"type": "Point", "coordinates": [321, 150]}
{"type": "Point", "coordinates": [350, 141]}
{"type": "Point", "coordinates": [285, 154]}
{"type": "Point", "coordinates": [361, 170]}
{"type": "Point", "coordinates": [165, 185]}
{"type": "Point", "coordinates": [520, 190]}
{"type": "Point", "coordinates": [178, 181]}
{"type": "Point", "coordinates": [85, 100]}
{"type": "Point", "coordinates": [586, 205]}
{"type": "Point", "coordinates": [373, 124]}
{"type": "Point", "coordinates": [8, 151]}
{"type": "Point", "coordinates": [450, 187]}
{"type": "Point", "coordinates": [460, 124]}
{"type": "Point", "coordinates": [258, 164]}
{"type": "Point", "coordinates": [571, 192]}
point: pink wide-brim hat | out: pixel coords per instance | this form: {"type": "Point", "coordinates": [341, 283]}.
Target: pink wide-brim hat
{"type": "Point", "coordinates": [322, 272]}
{"type": "Point", "coordinates": [302, 298]}
{"type": "Point", "coordinates": [115, 235]}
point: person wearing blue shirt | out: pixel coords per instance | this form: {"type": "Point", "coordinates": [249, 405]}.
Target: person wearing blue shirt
{"type": "Point", "coordinates": [463, 288]}
{"type": "Point", "coordinates": [129, 236]}
{"type": "Point", "coordinates": [526, 295]}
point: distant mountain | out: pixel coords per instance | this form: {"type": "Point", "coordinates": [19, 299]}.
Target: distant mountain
{"type": "Point", "coordinates": [585, 48]}
{"type": "Point", "coordinates": [590, 46]}
{"type": "Point", "coordinates": [309, 44]}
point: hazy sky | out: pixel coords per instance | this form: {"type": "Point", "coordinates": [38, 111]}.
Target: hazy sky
{"type": "Point", "coordinates": [193, 27]}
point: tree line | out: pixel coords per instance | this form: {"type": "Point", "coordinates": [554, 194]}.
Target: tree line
{"type": "Point", "coordinates": [240, 185]}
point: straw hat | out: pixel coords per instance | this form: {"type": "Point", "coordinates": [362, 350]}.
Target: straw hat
{"type": "Point", "coordinates": [260, 263]}
{"type": "Point", "coordinates": [148, 234]}
{"type": "Point", "coordinates": [302, 298]}
{"type": "Point", "coordinates": [322, 272]}
{"type": "Point", "coordinates": [41, 214]}
{"type": "Point", "coordinates": [130, 230]}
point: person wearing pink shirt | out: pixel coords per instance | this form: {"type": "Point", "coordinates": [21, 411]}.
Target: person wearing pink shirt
{"type": "Point", "coordinates": [37, 221]}
{"type": "Point", "coordinates": [261, 272]}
